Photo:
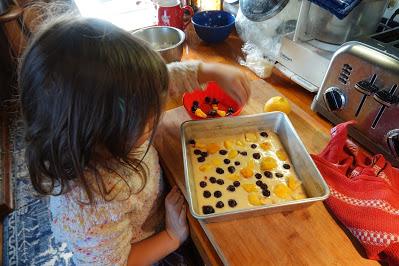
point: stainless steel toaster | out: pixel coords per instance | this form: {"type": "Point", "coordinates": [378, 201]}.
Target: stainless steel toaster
{"type": "Point", "coordinates": [361, 84]}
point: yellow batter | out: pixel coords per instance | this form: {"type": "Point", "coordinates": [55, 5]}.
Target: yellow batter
{"type": "Point", "coordinates": [242, 171]}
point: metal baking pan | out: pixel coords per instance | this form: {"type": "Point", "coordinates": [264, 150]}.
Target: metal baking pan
{"type": "Point", "coordinates": [314, 184]}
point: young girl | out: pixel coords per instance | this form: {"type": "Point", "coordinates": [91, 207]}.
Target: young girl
{"type": "Point", "coordinates": [92, 96]}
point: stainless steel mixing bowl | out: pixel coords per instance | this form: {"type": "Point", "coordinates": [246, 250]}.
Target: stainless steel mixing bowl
{"type": "Point", "coordinates": [168, 41]}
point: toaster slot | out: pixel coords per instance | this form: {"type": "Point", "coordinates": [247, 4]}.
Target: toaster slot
{"type": "Point", "coordinates": [386, 99]}
{"type": "Point", "coordinates": [367, 88]}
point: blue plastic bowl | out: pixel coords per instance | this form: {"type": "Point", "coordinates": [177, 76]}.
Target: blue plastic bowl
{"type": "Point", "coordinates": [213, 26]}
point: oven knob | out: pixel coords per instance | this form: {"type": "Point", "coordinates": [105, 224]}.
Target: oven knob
{"type": "Point", "coordinates": [385, 98]}
{"type": "Point", "coordinates": [393, 142]}
{"type": "Point", "coordinates": [334, 98]}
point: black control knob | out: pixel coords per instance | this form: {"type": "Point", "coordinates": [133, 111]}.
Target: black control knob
{"type": "Point", "coordinates": [386, 98]}
{"type": "Point", "coordinates": [366, 87]}
{"type": "Point", "coordinates": [393, 142]}
{"type": "Point", "coordinates": [334, 98]}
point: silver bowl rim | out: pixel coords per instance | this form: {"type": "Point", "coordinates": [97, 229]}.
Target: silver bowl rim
{"type": "Point", "coordinates": [179, 31]}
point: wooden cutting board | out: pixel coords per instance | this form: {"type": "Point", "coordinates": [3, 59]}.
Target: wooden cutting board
{"type": "Point", "coordinates": [303, 237]}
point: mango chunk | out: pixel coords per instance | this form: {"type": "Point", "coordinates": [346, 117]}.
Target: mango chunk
{"type": "Point", "coordinates": [268, 164]}
{"type": "Point", "coordinates": [282, 191]}
{"type": "Point", "coordinates": [265, 201]}
{"type": "Point", "coordinates": [205, 167]}
{"type": "Point", "coordinates": [217, 162]}
{"type": "Point", "coordinates": [254, 199]}
{"type": "Point", "coordinates": [228, 144]}
{"type": "Point", "coordinates": [249, 187]}
{"type": "Point", "coordinates": [298, 196]}
{"type": "Point", "coordinates": [234, 177]}
{"type": "Point", "coordinates": [251, 137]}
{"type": "Point", "coordinates": [232, 154]}
{"type": "Point", "coordinates": [200, 113]}
{"type": "Point", "coordinates": [293, 183]}
{"type": "Point", "coordinates": [266, 145]}
{"type": "Point", "coordinates": [221, 113]}
{"type": "Point", "coordinates": [247, 172]}
{"type": "Point", "coordinates": [239, 143]}
{"type": "Point", "coordinates": [213, 148]}
{"type": "Point", "coordinates": [281, 155]}
{"type": "Point", "coordinates": [200, 145]}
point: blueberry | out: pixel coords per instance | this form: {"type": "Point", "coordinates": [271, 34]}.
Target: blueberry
{"type": "Point", "coordinates": [204, 154]}
{"type": "Point", "coordinates": [231, 169]}
{"type": "Point", "coordinates": [197, 152]}
{"type": "Point", "coordinates": [286, 166]}
{"type": "Point", "coordinates": [256, 156]}
{"type": "Point", "coordinates": [207, 194]}
{"type": "Point", "coordinates": [207, 99]}
{"type": "Point", "coordinates": [201, 159]}
{"type": "Point", "coordinates": [266, 192]}
{"type": "Point", "coordinates": [264, 134]}
{"type": "Point", "coordinates": [253, 146]}
{"type": "Point", "coordinates": [220, 181]}
{"type": "Point", "coordinates": [212, 113]}
{"type": "Point", "coordinates": [207, 209]}
{"type": "Point", "coordinates": [263, 186]}
{"type": "Point", "coordinates": [195, 103]}
{"type": "Point", "coordinates": [258, 176]}
{"type": "Point", "coordinates": [220, 171]}
{"type": "Point", "coordinates": [215, 101]}
{"type": "Point", "coordinates": [236, 183]}
{"type": "Point", "coordinates": [217, 194]}
{"type": "Point", "coordinates": [259, 183]}
{"type": "Point", "coordinates": [222, 152]}
{"type": "Point", "coordinates": [219, 204]}
{"type": "Point", "coordinates": [279, 175]}
{"type": "Point", "coordinates": [268, 174]}
{"type": "Point", "coordinates": [230, 110]}
{"type": "Point", "coordinates": [237, 163]}
{"type": "Point", "coordinates": [231, 188]}
{"type": "Point", "coordinates": [232, 203]}
{"type": "Point", "coordinates": [194, 108]}
{"type": "Point", "coordinates": [191, 141]}
{"type": "Point", "coordinates": [244, 153]}
{"type": "Point", "coordinates": [226, 161]}
{"type": "Point", "coordinates": [212, 180]}
{"type": "Point", "coordinates": [202, 184]}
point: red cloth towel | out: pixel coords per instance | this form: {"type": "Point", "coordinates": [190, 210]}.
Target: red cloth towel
{"type": "Point", "coordinates": [364, 194]}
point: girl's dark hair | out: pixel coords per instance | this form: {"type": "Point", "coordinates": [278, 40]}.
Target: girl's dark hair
{"type": "Point", "coordinates": [87, 88]}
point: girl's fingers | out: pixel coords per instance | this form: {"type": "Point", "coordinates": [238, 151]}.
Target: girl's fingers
{"type": "Point", "coordinates": [174, 196]}
{"type": "Point", "coordinates": [179, 204]}
{"type": "Point", "coordinates": [183, 212]}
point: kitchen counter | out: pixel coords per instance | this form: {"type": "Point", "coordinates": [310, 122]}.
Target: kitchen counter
{"type": "Point", "coordinates": [302, 237]}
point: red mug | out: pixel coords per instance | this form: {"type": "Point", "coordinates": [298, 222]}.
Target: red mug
{"type": "Point", "coordinates": [170, 13]}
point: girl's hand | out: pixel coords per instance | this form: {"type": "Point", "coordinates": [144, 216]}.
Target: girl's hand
{"type": "Point", "coordinates": [176, 222]}
{"type": "Point", "coordinates": [231, 79]}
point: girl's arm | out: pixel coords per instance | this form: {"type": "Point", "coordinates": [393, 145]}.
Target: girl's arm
{"type": "Point", "coordinates": [188, 75]}
{"type": "Point", "coordinates": [153, 249]}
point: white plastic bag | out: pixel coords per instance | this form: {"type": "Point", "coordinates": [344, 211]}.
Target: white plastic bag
{"type": "Point", "coordinates": [263, 39]}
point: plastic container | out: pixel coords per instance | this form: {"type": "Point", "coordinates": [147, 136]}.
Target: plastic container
{"type": "Point", "coordinates": [213, 90]}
